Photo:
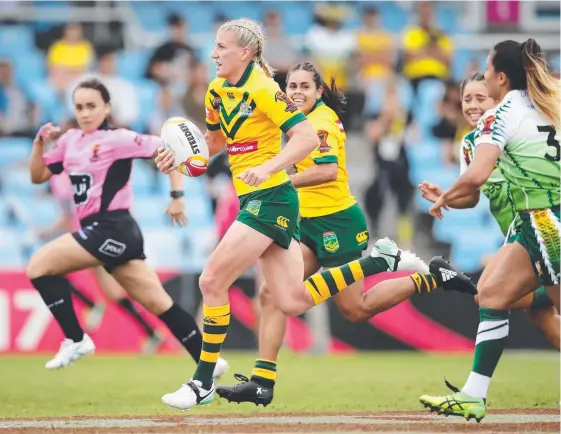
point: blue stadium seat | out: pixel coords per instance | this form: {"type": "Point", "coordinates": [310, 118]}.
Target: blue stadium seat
{"type": "Point", "coordinates": [164, 247]}
{"type": "Point", "coordinates": [152, 15]}
{"type": "Point", "coordinates": [194, 187]}
{"type": "Point", "coordinates": [11, 254]}
{"type": "Point", "coordinates": [199, 211]}
{"type": "Point", "coordinates": [296, 17]}
{"type": "Point", "coordinates": [37, 212]}
{"type": "Point", "coordinates": [471, 245]}
{"type": "Point", "coordinates": [149, 211]}
{"type": "Point", "coordinates": [14, 150]}
{"type": "Point", "coordinates": [423, 157]}
{"type": "Point", "coordinates": [199, 15]}
{"type": "Point", "coordinates": [147, 95]}
{"type": "Point", "coordinates": [29, 65]}
{"type": "Point", "coordinates": [17, 39]}
{"type": "Point", "coordinates": [132, 64]}
{"type": "Point", "coordinates": [50, 108]}
{"type": "Point", "coordinates": [429, 95]}
{"type": "Point", "coordinates": [3, 214]}
{"type": "Point", "coordinates": [17, 180]}
{"type": "Point", "coordinates": [143, 178]}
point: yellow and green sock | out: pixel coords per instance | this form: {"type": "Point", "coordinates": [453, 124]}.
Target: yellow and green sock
{"type": "Point", "coordinates": [264, 373]}
{"type": "Point", "coordinates": [424, 283]}
{"type": "Point", "coordinates": [215, 325]}
{"type": "Point", "coordinates": [327, 283]}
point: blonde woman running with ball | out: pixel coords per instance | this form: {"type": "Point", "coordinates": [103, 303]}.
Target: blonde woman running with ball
{"type": "Point", "coordinates": [246, 112]}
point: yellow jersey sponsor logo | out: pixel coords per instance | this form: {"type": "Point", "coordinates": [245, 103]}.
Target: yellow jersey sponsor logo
{"type": "Point", "coordinates": [362, 237]}
{"type": "Point", "coordinates": [282, 222]}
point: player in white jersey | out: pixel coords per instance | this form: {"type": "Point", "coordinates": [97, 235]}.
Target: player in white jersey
{"type": "Point", "coordinates": [475, 102]}
{"type": "Point", "coordinates": [520, 134]}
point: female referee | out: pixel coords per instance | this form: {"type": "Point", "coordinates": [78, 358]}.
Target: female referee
{"type": "Point", "coordinates": [99, 161]}
{"type": "Point", "coordinates": [475, 102]}
{"type": "Point", "coordinates": [521, 134]}
{"type": "Point", "coordinates": [246, 112]}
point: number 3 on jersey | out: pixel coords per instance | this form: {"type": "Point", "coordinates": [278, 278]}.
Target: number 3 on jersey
{"type": "Point", "coordinates": [551, 141]}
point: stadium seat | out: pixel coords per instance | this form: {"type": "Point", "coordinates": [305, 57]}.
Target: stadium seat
{"type": "Point", "coordinates": [29, 65]}
{"type": "Point", "coordinates": [143, 178]}
{"type": "Point", "coordinates": [164, 248]}
{"type": "Point", "coordinates": [18, 180]}
{"type": "Point", "coordinates": [35, 212]}
{"type": "Point", "coordinates": [149, 211]}
{"type": "Point", "coordinates": [11, 254]}
{"type": "Point", "coordinates": [471, 245]}
{"type": "Point", "coordinates": [17, 39]}
{"type": "Point", "coordinates": [151, 15]}
{"type": "Point", "coordinates": [14, 151]}
{"type": "Point", "coordinates": [132, 64]}
{"type": "Point", "coordinates": [147, 95]}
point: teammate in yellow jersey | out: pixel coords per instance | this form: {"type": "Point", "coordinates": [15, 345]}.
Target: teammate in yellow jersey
{"type": "Point", "coordinates": [333, 231]}
{"type": "Point", "coordinates": [246, 114]}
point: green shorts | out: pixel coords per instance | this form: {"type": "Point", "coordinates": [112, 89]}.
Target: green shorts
{"type": "Point", "coordinates": [273, 212]}
{"type": "Point", "coordinates": [540, 235]}
{"type": "Point", "coordinates": [336, 238]}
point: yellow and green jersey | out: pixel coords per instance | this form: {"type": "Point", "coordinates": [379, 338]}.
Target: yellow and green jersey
{"type": "Point", "coordinates": [333, 196]}
{"type": "Point", "coordinates": [252, 114]}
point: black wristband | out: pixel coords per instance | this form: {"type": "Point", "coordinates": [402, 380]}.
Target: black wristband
{"type": "Point", "coordinates": [175, 194]}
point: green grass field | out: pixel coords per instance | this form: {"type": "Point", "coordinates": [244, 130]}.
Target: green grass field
{"type": "Point", "coordinates": [125, 385]}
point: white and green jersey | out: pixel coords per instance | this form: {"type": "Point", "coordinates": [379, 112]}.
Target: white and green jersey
{"type": "Point", "coordinates": [530, 150]}
{"type": "Point", "coordinates": [497, 189]}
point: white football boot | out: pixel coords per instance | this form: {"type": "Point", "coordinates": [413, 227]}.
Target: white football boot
{"type": "Point", "coordinates": [221, 367]}
{"type": "Point", "coordinates": [189, 395]}
{"type": "Point", "coordinates": [398, 259]}
{"type": "Point", "coordinates": [71, 351]}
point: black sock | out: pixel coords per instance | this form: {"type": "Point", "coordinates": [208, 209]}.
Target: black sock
{"type": "Point", "coordinates": [184, 328]}
{"type": "Point", "coordinates": [126, 304]}
{"type": "Point", "coordinates": [56, 293]}
{"type": "Point", "coordinates": [83, 297]}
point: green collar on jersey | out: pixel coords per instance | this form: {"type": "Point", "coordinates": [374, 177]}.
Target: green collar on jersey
{"type": "Point", "coordinates": [318, 103]}
{"type": "Point", "coordinates": [243, 79]}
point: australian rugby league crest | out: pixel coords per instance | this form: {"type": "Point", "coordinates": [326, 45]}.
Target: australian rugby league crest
{"type": "Point", "coordinates": [330, 242]}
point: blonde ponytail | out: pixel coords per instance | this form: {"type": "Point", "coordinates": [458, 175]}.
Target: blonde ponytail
{"type": "Point", "coordinates": [543, 88]}
{"type": "Point", "coordinates": [251, 34]}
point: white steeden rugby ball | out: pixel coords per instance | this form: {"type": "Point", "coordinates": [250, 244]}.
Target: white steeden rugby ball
{"type": "Point", "coordinates": [188, 144]}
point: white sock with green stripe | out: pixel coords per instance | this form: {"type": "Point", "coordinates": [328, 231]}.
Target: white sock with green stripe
{"type": "Point", "coordinates": [491, 340]}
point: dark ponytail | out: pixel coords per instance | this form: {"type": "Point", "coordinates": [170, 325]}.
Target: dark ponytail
{"type": "Point", "coordinates": [331, 95]}
{"type": "Point", "coordinates": [526, 69]}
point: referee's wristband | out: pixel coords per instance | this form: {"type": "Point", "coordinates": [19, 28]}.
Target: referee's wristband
{"type": "Point", "coordinates": [175, 194]}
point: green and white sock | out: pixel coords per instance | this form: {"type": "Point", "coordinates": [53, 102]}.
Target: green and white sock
{"type": "Point", "coordinates": [492, 336]}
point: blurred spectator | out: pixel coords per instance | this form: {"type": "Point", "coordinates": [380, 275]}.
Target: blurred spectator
{"type": "Point", "coordinates": [331, 47]}
{"type": "Point", "coordinates": [69, 57]}
{"type": "Point", "coordinates": [17, 114]}
{"type": "Point", "coordinates": [176, 52]}
{"type": "Point", "coordinates": [168, 100]}
{"type": "Point", "coordinates": [376, 51]}
{"type": "Point", "coordinates": [452, 126]}
{"type": "Point", "coordinates": [194, 98]}
{"type": "Point", "coordinates": [280, 52]}
{"type": "Point", "coordinates": [206, 50]}
{"type": "Point", "coordinates": [124, 98]}
{"type": "Point", "coordinates": [386, 131]}
{"type": "Point", "coordinates": [427, 50]}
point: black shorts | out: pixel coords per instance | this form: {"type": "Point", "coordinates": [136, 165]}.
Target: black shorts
{"type": "Point", "coordinates": [113, 237]}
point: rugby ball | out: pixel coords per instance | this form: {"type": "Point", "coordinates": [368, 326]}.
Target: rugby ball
{"type": "Point", "coordinates": [188, 144]}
